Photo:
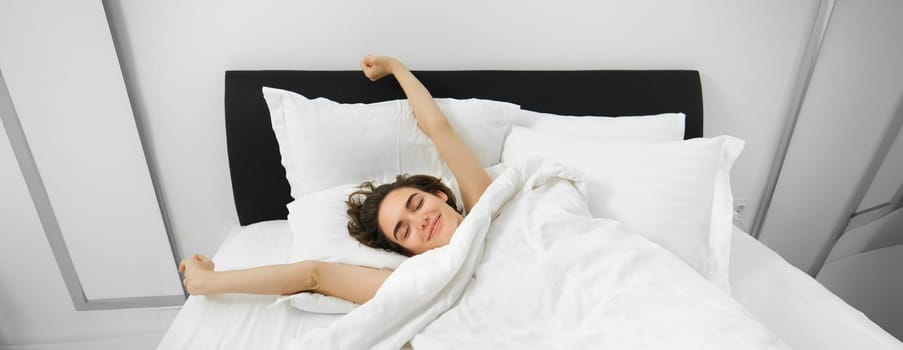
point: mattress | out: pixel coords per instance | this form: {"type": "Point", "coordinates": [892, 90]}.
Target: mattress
{"type": "Point", "coordinates": [794, 305]}
{"type": "Point", "coordinates": [789, 302]}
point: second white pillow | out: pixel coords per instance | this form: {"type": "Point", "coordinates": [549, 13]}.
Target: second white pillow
{"type": "Point", "coordinates": [650, 128]}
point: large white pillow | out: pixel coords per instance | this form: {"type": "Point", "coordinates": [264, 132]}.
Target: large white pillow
{"type": "Point", "coordinates": [676, 194]}
{"type": "Point", "coordinates": [319, 232]}
{"type": "Point", "coordinates": [324, 143]}
{"type": "Point", "coordinates": [652, 128]}
{"type": "Point", "coordinates": [319, 223]}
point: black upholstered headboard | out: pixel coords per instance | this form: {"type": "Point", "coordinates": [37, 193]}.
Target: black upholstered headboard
{"type": "Point", "coordinates": [258, 179]}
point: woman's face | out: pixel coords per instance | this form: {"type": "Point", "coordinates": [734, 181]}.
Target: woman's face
{"type": "Point", "coordinates": [417, 220]}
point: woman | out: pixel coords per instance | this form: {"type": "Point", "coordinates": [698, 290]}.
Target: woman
{"type": "Point", "coordinates": [410, 216]}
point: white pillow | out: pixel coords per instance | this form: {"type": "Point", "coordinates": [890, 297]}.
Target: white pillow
{"type": "Point", "coordinates": [319, 232]}
{"type": "Point", "coordinates": [676, 194]}
{"type": "Point", "coordinates": [652, 128]}
{"type": "Point", "coordinates": [319, 223]}
{"type": "Point", "coordinates": [324, 143]}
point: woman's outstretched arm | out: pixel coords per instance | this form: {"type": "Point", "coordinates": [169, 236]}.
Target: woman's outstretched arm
{"type": "Point", "coordinates": [354, 283]}
{"type": "Point", "coordinates": [472, 178]}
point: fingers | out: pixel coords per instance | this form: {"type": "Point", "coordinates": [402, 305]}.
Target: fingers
{"type": "Point", "coordinates": [376, 67]}
{"type": "Point", "coordinates": [183, 265]}
{"type": "Point", "coordinates": [368, 60]}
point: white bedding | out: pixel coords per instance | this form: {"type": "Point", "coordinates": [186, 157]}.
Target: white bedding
{"type": "Point", "coordinates": [242, 321]}
{"type": "Point", "coordinates": [540, 272]}
{"type": "Point", "coordinates": [794, 306]}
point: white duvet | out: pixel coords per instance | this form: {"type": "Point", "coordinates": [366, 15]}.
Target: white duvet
{"type": "Point", "coordinates": [529, 268]}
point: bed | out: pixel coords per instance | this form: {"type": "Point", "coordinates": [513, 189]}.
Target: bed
{"type": "Point", "coordinates": [785, 300]}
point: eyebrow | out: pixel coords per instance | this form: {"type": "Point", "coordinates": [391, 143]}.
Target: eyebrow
{"type": "Point", "coordinates": [407, 204]}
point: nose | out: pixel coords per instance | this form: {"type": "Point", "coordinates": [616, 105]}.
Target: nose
{"type": "Point", "coordinates": [421, 223]}
{"type": "Point", "coordinates": [424, 222]}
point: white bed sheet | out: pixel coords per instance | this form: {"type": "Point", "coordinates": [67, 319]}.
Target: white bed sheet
{"type": "Point", "coordinates": [242, 321]}
{"type": "Point", "coordinates": [795, 306]}
{"type": "Point", "coordinates": [789, 302]}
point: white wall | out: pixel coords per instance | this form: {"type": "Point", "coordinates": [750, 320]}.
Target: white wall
{"type": "Point", "coordinates": [885, 190]}
{"type": "Point", "coordinates": [889, 177]}
{"type": "Point", "coordinates": [35, 307]}
{"type": "Point", "coordinates": [174, 54]}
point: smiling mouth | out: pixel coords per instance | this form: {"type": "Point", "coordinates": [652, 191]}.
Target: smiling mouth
{"type": "Point", "coordinates": [434, 228]}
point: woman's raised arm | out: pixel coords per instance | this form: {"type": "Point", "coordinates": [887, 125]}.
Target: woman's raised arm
{"type": "Point", "coordinates": [472, 178]}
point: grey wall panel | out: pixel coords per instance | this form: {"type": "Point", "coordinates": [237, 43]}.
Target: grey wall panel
{"type": "Point", "coordinates": [846, 124]}
{"type": "Point", "coordinates": [63, 78]}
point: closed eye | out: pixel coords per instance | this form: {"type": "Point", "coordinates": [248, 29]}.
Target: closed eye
{"type": "Point", "coordinates": [407, 230]}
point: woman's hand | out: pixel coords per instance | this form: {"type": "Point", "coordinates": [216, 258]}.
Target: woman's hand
{"type": "Point", "coordinates": [376, 67]}
{"type": "Point", "coordinates": [197, 270]}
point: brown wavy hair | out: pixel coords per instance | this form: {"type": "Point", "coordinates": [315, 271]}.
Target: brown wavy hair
{"type": "Point", "coordinates": [363, 208]}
